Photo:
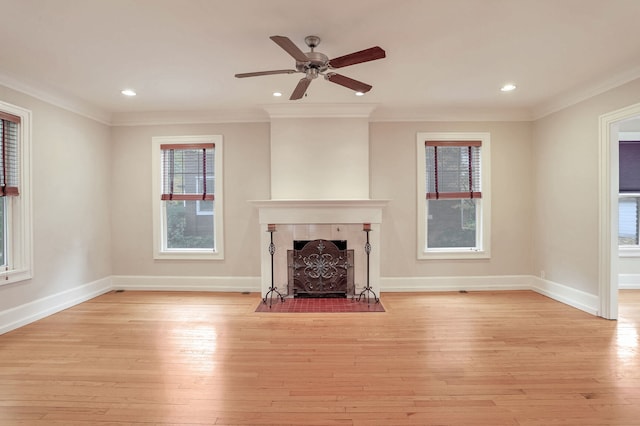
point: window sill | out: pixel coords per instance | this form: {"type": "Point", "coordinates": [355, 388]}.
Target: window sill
{"type": "Point", "coordinates": [188, 255]}
{"type": "Point", "coordinates": [454, 254]}
{"type": "Point", "coordinates": [629, 251]}
{"type": "Point", "coordinates": [15, 276]}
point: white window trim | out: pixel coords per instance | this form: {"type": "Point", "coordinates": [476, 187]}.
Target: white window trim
{"type": "Point", "coordinates": [628, 136]}
{"type": "Point", "coordinates": [159, 252]}
{"type": "Point", "coordinates": [484, 234]}
{"type": "Point", "coordinates": [626, 251]}
{"type": "Point", "coordinates": [20, 237]}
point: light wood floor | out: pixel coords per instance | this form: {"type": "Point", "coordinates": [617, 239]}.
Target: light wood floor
{"type": "Point", "coordinates": [485, 358]}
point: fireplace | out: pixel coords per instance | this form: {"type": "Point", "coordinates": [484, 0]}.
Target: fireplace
{"type": "Point", "coordinates": [311, 220]}
{"type": "Point", "coordinates": [319, 183]}
{"type": "Point", "coordinates": [320, 268]}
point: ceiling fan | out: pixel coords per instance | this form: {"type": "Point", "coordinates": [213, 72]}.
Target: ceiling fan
{"type": "Point", "coordinates": [312, 64]}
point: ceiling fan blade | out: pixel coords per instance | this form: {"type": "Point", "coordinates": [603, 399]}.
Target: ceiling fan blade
{"type": "Point", "coordinates": [258, 73]}
{"type": "Point", "coordinates": [290, 48]}
{"type": "Point", "coordinates": [300, 89]}
{"type": "Point", "coordinates": [366, 55]}
{"type": "Point", "coordinates": [347, 82]}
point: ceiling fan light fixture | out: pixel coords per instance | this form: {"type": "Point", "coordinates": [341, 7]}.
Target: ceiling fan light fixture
{"type": "Point", "coordinates": [277, 94]}
{"type": "Point", "coordinates": [359, 93]}
{"type": "Point", "coordinates": [508, 87]}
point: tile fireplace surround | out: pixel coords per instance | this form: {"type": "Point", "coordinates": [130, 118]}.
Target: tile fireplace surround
{"type": "Point", "coordinates": [320, 219]}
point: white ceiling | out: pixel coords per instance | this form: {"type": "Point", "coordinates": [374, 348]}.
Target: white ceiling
{"type": "Point", "coordinates": [446, 59]}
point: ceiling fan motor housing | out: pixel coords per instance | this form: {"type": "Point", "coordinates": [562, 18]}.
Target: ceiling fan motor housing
{"type": "Point", "coordinates": [318, 61]}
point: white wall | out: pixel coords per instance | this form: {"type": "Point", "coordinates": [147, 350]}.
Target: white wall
{"type": "Point", "coordinates": [393, 176]}
{"type": "Point", "coordinates": [71, 168]}
{"type": "Point", "coordinates": [320, 158]}
{"type": "Point", "coordinates": [565, 175]}
{"type": "Point", "coordinates": [629, 273]}
{"type": "Point", "coordinates": [246, 177]}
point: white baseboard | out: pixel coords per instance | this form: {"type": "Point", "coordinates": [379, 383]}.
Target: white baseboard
{"type": "Point", "coordinates": [629, 281]}
{"type": "Point", "coordinates": [570, 296]}
{"type": "Point", "coordinates": [488, 283]}
{"type": "Point", "coordinates": [21, 315]}
{"type": "Point", "coordinates": [223, 284]}
{"type": "Point", "coordinates": [561, 293]}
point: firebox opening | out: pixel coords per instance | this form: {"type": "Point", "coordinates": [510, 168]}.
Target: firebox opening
{"type": "Point", "coordinates": [320, 268]}
{"type": "Point", "coordinates": [299, 244]}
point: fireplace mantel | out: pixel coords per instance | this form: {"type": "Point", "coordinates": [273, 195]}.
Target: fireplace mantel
{"type": "Point", "coordinates": [320, 211]}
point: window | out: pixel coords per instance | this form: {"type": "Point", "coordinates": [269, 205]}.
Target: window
{"type": "Point", "coordinates": [453, 195]}
{"type": "Point", "coordinates": [187, 177]}
{"type": "Point", "coordinates": [204, 207]}
{"type": "Point", "coordinates": [628, 224]}
{"type": "Point", "coordinates": [629, 198]}
{"type": "Point", "coordinates": [15, 206]}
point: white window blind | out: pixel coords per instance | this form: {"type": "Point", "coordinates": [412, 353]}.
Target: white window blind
{"type": "Point", "coordinates": [453, 170]}
{"type": "Point", "coordinates": [188, 171]}
{"type": "Point", "coordinates": [9, 171]}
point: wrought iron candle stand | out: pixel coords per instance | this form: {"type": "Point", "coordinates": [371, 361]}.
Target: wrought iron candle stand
{"type": "Point", "coordinates": [272, 250]}
{"type": "Point", "coordinates": [368, 291]}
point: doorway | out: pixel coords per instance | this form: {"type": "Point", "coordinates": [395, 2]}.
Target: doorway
{"type": "Point", "coordinates": [608, 233]}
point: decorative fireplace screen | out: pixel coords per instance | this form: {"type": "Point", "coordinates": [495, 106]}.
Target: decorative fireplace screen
{"type": "Point", "coordinates": [320, 268]}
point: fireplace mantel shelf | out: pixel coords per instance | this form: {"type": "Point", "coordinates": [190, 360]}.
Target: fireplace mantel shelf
{"type": "Point", "coordinates": [320, 211]}
{"type": "Point", "coordinates": [320, 203]}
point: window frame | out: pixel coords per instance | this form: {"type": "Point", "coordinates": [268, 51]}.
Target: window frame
{"type": "Point", "coordinates": [483, 205]}
{"type": "Point", "coordinates": [19, 215]}
{"type": "Point", "coordinates": [160, 251]}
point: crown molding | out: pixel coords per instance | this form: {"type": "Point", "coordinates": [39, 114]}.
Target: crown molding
{"type": "Point", "coordinates": [61, 101]}
{"type": "Point", "coordinates": [157, 118]}
{"type": "Point", "coordinates": [583, 93]}
{"type": "Point", "coordinates": [267, 113]}
{"type": "Point", "coordinates": [391, 114]}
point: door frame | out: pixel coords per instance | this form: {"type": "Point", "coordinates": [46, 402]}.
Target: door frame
{"type": "Point", "coordinates": [608, 206]}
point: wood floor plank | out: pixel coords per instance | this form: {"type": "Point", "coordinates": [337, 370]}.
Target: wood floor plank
{"type": "Point", "coordinates": [190, 358]}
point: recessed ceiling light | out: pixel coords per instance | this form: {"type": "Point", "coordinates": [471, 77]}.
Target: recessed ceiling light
{"type": "Point", "coordinates": [508, 87]}
{"type": "Point", "coordinates": [359, 94]}
{"type": "Point", "coordinates": [128, 92]}
{"type": "Point", "coordinates": [277, 94]}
